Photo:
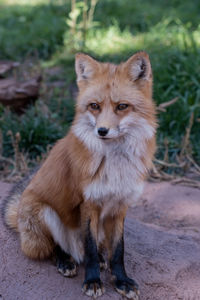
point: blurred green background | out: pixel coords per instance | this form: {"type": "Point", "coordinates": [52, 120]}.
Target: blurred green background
{"type": "Point", "coordinates": [41, 32]}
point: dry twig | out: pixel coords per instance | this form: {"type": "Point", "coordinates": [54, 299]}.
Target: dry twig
{"type": "Point", "coordinates": [162, 107]}
{"type": "Point", "coordinates": [186, 139]}
{"type": "Point", "coordinates": [169, 165]}
{"type": "Point", "coordinates": [197, 167]}
{"type": "Point", "coordinates": [7, 160]}
{"type": "Point", "coordinates": [187, 181]}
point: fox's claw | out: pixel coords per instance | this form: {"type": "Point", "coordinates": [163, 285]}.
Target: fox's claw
{"type": "Point", "coordinates": [69, 270]}
{"type": "Point", "coordinates": [93, 289]}
{"type": "Point", "coordinates": [128, 288]}
{"type": "Point", "coordinates": [65, 263]}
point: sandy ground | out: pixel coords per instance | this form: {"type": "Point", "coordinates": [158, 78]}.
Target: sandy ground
{"type": "Point", "coordinates": [162, 253]}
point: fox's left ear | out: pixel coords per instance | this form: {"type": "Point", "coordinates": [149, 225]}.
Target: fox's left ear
{"type": "Point", "coordinates": [85, 67]}
{"type": "Point", "coordinates": [139, 67]}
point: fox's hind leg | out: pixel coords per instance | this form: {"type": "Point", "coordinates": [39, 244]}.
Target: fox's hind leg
{"type": "Point", "coordinates": [68, 238]}
{"type": "Point", "coordinates": [114, 228]}
{"type": "Point", "coordinates": [65, 263]}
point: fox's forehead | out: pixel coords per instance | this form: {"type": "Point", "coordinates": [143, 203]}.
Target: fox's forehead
{"type": "Point", "coordinates": [112, 86]}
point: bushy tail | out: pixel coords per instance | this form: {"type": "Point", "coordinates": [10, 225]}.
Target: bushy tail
{"type": "Point", "coordinates": [11, 203]}
{"type": "Point", "coordinates": [10, 211]}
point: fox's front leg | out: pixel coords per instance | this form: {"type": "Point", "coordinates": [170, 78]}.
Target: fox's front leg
{"type": "Point", "coordinates": [114, 228]}
{"type": "Point", "coordinates": [92, 285]}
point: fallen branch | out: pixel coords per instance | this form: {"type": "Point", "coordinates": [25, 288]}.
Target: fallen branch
{"type": "Point", "coordinates": [169, 165]}
{"type": "Point", "coordinates": [158, 174]}
{"type": "Point", "coordinates": [197, 167]}
{"type": "Point", "coordinates": [187, 181]}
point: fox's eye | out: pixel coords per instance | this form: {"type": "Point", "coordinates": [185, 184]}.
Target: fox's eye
{"type": "Point", "coordinates": [122, 106]}
{"type": "Point", "coordinates": [94, 106]}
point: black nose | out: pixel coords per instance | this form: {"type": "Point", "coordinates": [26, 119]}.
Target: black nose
{"type": "Point", "coordinates": [102, 131]}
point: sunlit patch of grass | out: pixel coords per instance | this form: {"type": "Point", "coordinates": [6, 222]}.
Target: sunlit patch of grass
{"type": "Point", "coordinates": [167, 34]}
{"type": "Point", "coordinates": [109, 41]}
{"type": "Point", "coordinates": [23, 2]}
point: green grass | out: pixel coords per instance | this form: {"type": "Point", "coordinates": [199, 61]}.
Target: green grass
{"type": "Point", "coordinates": [168, 30]}
{"type": "Point", "coordinates": [31, 30]}
{"type": "Point", "coordinates": [40, 126]}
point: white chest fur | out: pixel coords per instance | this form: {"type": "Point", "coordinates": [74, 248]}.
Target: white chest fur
{"type": "Point", "coordinates": [118, 181]}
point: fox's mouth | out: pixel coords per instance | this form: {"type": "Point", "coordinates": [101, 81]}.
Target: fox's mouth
{"type": "Point", "coordinates": [105, 138]}
{"type": "Point", "coordinates": [108, 139]}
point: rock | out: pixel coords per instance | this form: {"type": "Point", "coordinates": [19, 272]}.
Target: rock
{"type": "Point", "coordinates": [17, 95]}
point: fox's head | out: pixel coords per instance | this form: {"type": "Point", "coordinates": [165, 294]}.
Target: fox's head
{"type": "Point", "coordinates": [114, 101]}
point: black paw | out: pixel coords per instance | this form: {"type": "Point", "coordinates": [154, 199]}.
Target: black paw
{"type": "Point", "coordinates": [65, 263]}
{"type": "Point", "coordinates": [67, 268]}
{"type": "Point", "coordinates": [128, 288]}
{"type": "Point", "coordinates": [102, 263]}
{"type": "Point", "coordinates": [93, 288]}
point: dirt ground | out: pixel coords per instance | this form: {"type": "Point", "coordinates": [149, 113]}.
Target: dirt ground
{"type": "Point", "coordinates": [162, 253]}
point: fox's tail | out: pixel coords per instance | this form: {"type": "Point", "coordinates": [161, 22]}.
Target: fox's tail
{"type": "Point", "coordinates": [11, 203]}
{"type": "Point", "coordinates": [10, 211]}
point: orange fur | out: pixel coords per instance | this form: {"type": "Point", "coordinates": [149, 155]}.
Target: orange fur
{"type": "Point", "coordinates": [113, 226]}
{"type": "Point", "coordinates": [63, 182]}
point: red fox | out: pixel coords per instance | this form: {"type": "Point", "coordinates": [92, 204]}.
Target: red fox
{"type": "Point", "coordinates": [76, 203]}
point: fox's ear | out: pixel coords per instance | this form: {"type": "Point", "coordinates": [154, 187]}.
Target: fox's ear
{"type": "Point", "coordinates": [139, 67]}
{"type": "Point", "coordinates": [85, 66]}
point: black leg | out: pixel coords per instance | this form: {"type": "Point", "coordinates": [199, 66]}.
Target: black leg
{"type": "Point", "coordinates": [123, 284]}
{"type": "Point", "coordinates": [92, 285]}
{"type": "Point", "coordinates": [65, 263]}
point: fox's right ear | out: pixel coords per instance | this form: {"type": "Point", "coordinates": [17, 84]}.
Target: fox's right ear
{"type": "Point", "coordinates": [85, 67]}
{"type": "Point", "coordinates": [139, 67]}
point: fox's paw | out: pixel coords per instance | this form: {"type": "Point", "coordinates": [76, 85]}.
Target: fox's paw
{"type": "Point", "coordinates": [93, 288]}
{"type": "Point", "coordinates": [102, 263]}
{"type": "Point", "coordinates": [67, 269]}
{"type": "Point", "coordinates": [128, 288]}
{"type": "Point", "coordinates": [65, 263]}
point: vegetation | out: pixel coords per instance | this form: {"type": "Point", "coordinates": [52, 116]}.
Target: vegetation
{"type": "Point", "coordinates": [168, 30]}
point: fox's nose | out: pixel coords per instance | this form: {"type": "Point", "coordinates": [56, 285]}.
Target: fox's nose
{"type": "Point", "coordinates": [102, 131]}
